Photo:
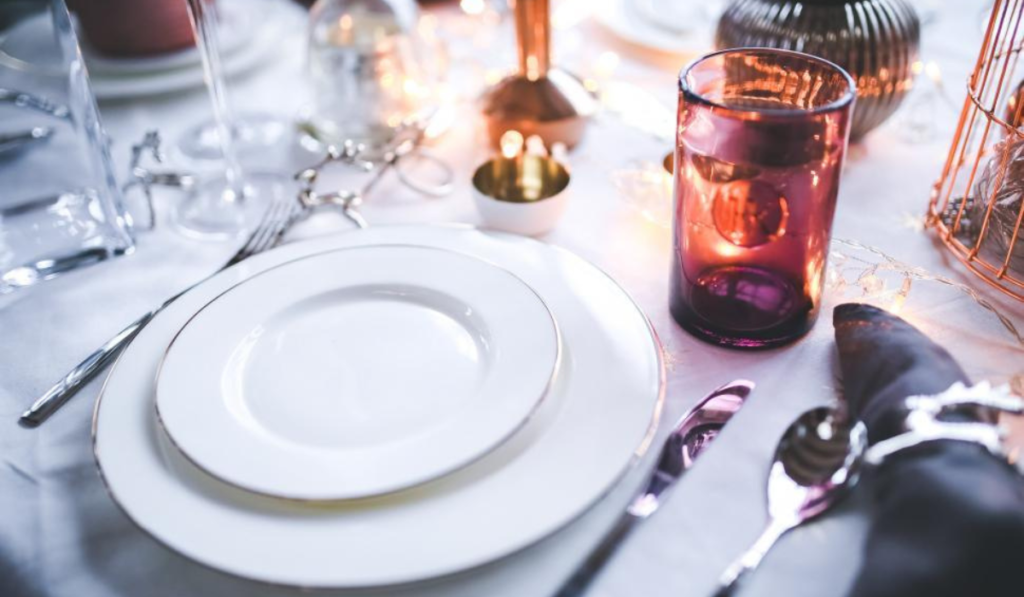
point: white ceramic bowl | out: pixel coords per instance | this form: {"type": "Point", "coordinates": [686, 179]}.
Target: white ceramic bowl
{"type": "Point", "coordinates": [525, 195]}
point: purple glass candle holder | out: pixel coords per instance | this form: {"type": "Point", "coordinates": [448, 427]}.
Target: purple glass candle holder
{"type": "Point", "coordinates": [760, 143]}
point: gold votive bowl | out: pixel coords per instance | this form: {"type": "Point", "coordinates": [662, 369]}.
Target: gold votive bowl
{"type": "Point", "coordinates": [524, 195]}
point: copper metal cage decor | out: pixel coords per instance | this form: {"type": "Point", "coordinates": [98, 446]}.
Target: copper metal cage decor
{"type": "Point", "coordinates": [977, 204]}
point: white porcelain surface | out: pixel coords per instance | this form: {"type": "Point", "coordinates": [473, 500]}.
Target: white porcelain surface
{"type": "Point", "coordinates": [259, 40]}
{"type": "Point", "coordinates": [528, 218]}
{"type": "Point", "coordinates": [357, 372]}
{"type": "Point", "coordinates": [630, 25]}
{"type": "Point", "coordinates": [237, 28]}
{"type": "Point", "coordinates": [596, 420]}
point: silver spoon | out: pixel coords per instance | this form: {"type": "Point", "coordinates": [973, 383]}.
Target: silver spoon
{"type": "Point", "coordinates": [817, 460]}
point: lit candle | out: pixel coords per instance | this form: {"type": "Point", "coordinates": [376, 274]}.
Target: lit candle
{"type": "Point", "coordinates": [521, 191]}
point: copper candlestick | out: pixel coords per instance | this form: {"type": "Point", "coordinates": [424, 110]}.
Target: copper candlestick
{"type": "Point", "coordinates": [539, 99]}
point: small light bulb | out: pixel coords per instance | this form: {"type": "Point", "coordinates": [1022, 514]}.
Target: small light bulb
{"type": "Point", "coordinates": [535, 146]}
{"type": "Point", "coordinates": [473, 7]}
{"type": "Point", "coordinates": [511, 144]}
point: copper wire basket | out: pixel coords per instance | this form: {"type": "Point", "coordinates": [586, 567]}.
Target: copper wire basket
{"type": "Point", "coordinates": [972, 209]}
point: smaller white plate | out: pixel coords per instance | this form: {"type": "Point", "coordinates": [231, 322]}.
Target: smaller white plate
{"type": "Point", "coordinates": [357, 372]}
{"type": "Point", "coordinates": [630, 25]}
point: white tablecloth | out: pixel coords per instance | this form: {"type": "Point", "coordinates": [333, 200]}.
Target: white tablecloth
{"type": "Point", "coordinates": [61, 535]}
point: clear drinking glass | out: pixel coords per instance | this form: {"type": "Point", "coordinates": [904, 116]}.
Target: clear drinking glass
{"type": "Point", "coordinates": [60, 207]}
{"type": "Point", "coordinates": [761, 139]}
{"type": "Point", "coordinates": [369, 69]}
{"type": "Point", "coordinates": [228, 204]}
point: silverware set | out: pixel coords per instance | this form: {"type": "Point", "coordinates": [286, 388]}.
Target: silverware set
{"type": "Point", "coordinates": [817, 461]}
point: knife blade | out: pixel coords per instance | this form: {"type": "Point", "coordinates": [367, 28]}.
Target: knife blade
{"type": "Point", "coordinates": [10, 142]}
{"type": "Point", "coordinates": [692, 435]}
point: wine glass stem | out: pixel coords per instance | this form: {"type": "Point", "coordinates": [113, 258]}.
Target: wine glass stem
{"type": "Point", "coordinates": [203, 14]}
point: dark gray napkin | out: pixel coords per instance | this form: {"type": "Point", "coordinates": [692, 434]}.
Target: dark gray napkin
{"type": "Point", "coordinates": [948, 517]}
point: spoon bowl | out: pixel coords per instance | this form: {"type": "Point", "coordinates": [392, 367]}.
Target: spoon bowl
{"type": "Point", "coordinates": [817, 460]}
{"type": "Point", "coordinates": [816, 463]}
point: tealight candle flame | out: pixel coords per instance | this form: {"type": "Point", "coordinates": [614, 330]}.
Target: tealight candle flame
{"type": "Point", "coordinates": [535, 146]}
{"type": "Point", "coordinates": [472, 7]}
{"type": "Point", "coordinates": [560, 153]}
{"type": "Point", "coordinates": [605, 65]}
{"type": "Point", "coordinates": [440, 122]}
{"type": "Point", "coordinates": [511, 143]}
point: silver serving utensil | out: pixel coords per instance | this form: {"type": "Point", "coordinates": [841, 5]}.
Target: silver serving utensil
{"type": "Point", "coordinates": [817, 461]}
{"type": "Point", "coordinates": [12, 142]}
{"type": "Point", "coordinates": [266, 235]}
{"type": "Point", "coordinates": [693, 433]}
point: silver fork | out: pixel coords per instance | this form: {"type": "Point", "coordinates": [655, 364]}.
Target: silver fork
{"type": "Point", "coordinates": [267, 234]}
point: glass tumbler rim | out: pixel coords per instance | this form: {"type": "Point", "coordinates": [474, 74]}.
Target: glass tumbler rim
{"type": "Point", "coordinates": [841, 103]}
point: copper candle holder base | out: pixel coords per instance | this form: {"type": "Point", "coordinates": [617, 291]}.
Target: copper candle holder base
{"type": "Point", "coordinates": [554, 107]}
{"type": "Point", "coordinates": [539, 99]}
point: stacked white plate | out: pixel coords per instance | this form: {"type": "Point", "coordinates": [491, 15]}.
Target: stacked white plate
{"type": "Point", "coordinates": [249, 30]}
{"type": "Point", "coordinates": [379, 408]}
{"type": "Point", "coordinates": [667, 27]}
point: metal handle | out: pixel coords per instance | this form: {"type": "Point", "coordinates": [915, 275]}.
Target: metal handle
{"type": "Point", "coordinates": [577, 584]}
{"type": "Point", "coordinates": [69, 385]}
{"type": "Point", "coordinates": [730, 579]}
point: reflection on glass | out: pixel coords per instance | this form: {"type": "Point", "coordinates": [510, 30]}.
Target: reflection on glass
{"type": "Point", "coordinates": [368, 69]}
{"type": "Point", "coordinates": [60, 205]}
{"type": "Point", "coordinates": [761, 140]}
{"type": "Point", "coordinates": [226, 205]}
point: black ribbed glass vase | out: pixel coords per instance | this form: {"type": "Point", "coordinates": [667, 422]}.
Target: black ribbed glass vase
{"type": "Point", "coordinates": [876, 41]}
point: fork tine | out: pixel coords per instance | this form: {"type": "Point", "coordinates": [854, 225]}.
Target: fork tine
{"type": "Point", "coordinates": [277, 216]}
{"type": "Point", "coordinates": [276, 226]}
{"type": "Point", "coordinates": [272, 222]}
{"type": "Point", "coordinates": [268, 215]}
{"type": "Point", "coordinates": [293, 208]}
{"type": "Point", "coordinates": [266, 228]}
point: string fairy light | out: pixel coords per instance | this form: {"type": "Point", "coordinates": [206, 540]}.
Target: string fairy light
{"type": "Point", "coordinates": [854, 268]}
{"type": "Point", "coordinates": [866, 274]}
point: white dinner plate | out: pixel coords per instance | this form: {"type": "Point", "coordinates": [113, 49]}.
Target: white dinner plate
{"type": "Point", "coordinates": [276, 16]}
{"type": "Point", "coordinates": [236, 29]}
{"type": "Point", "coordinates": [628, 24]}
{"type": "Point", "coordinates": [356, 372]}
{"type": "Point", "coordinates": [597, 419]}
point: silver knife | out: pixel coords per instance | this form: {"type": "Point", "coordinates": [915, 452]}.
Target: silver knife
{"type": "Point", "coordinates": [10, 142]}
{"type": "Point", "coordinates": [693, 433]}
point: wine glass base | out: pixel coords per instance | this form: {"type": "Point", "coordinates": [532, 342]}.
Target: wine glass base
{"type": "Point", "coordinates": [215, 211]}
{"type": "Point", "coordinates": [252, 134]}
